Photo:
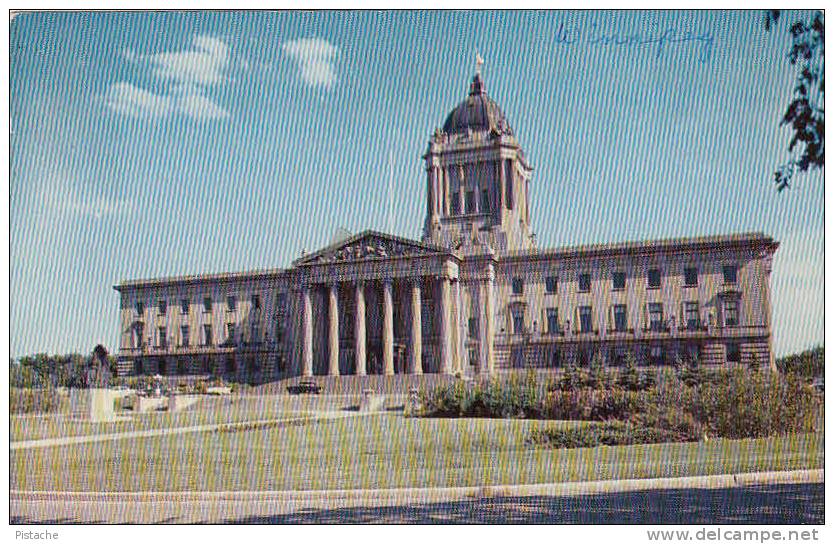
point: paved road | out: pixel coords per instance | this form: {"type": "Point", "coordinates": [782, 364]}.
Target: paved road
{"type": "Point", "coordinates": [709, 500]}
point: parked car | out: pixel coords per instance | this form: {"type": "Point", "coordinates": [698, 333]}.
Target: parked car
{"type": "Point", "coordinates": [304, 386]}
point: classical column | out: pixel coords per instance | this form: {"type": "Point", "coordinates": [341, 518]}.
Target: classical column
{"type": "Point", "coordinates": [445, 327]}
{"type": "Point", "coordinates": [486, 356]}
{"type": "Point", "coordinates": [360, 329]}
{"type": "Point", "coordinates": [461, 333]}
{"type": "Point", "coordinates": [307, 346]}
{"type": "Point", "coordinates": [387, 328]}
{"type": "Point", "coordinates": [333, 336]}
{"type": "Point", "coordinates": [446, 192]}
{"type": "Point", "coordinates": [416, 360]}
{"type": "Point", "coordinates": [437, 192]}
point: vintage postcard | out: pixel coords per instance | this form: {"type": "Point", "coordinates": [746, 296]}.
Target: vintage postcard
{"type": "Point", "coordinates": [418, 267]}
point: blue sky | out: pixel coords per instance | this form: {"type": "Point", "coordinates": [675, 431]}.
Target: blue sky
{"type": "Point", "coordinates": [153, 144]}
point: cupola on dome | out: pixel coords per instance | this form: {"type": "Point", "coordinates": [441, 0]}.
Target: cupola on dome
{"type": "Point", "coordinates": [477, 113]}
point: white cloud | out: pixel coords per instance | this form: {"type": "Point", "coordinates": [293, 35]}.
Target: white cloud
{"type": "Point", "coordinates": [197, 106]}
{"type": "Point", "coordinates": [204, 64]}
{"type": "Point", "coordinates": [315, 58]}
{"type": "Point", "coordinates": [127, 99]}
{"type": "Point", "coordinates": [187, 76]}
{"type": "Point", "coordinates": [67, 199]}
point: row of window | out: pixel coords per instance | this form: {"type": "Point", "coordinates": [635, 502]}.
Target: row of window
{"type": "Point", "coordinates": [619, 318]}
{"type": "Point", "coordinates": [207, 338]}
{"type": "Point", "coordinates": [654, 354]}
{"type": "Point", "coordinates": [231, 304]}
{"type": "Point", "coordinates": [618, 280]}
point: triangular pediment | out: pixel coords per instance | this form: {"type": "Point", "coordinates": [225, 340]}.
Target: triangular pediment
{"type": "Point", "coordinates": [369, 245]}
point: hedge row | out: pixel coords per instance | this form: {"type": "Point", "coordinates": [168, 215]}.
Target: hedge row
{"type": "Point", "coordinates": [729, 403]}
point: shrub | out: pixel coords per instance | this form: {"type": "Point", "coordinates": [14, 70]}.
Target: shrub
{"type": "Point", "coordinates": [573, 378]}
{"type": "Point", "coordinates": [810, 363]}
{"type": "Point", "coordinates": [611, 433]}
{"type": "Point", "coordinates": [629, 378]}
{"type": "Point", "coordinates": [690, 372]}
{"type": "Point", "coordinates": [617, 404]}
{"type": "Point", "coordinates": [743, 405]}
{"type": "Point", "coordinates": [574, 404]}
{"type": "Point", "coordinates": [597, 377]}
{"type": "Point", "coordinates": [33, 401]}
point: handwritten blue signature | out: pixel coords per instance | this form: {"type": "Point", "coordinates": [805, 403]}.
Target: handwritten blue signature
{"type": "Point", "coordinates": [660, 41]}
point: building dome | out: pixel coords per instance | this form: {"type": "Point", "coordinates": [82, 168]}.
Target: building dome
{"type": "Point", "coordinates": [478, 112]}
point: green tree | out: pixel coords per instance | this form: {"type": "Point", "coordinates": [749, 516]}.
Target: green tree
{"type": "Point", "coordinates": [806, 112]}
{"type": "Point", "coordinates": [597, 371]}
{"type": "Point", "coordinates": [629, 377]}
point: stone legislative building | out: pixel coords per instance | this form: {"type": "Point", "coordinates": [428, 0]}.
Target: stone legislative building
{"type": "Point", "coordinates": [474, 296]}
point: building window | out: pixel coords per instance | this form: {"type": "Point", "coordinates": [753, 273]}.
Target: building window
{"type": "Point", "coordinates": [473, 327]}
{"type": "Point", "coordinates": [163, 337]}
{"type": "Point", "coordinates": [693, 318]}
{"type": "Point", "coordinates": [730, 274]}
{"type": "Point", "coordinates": [231, 303]}
{"type": "Point", "coordinates": [138, 367]}
{"type": "Point", "coordinates": [656, 354]}
{"type": "Point", "coordinates": [693, 352]}
{"type": "Point", "coordinates": [585, 321]}
{"type": "Point", "coordinates": [207, 305]}
{"type": "Point", "coordinates": [518, 286]}
{"type": "Point", "coordinates": [584, 357]}
{"type": "Point", "coordinates": [470, 202]}
{"type": "Point", "coordinates": [184, 336]}
{"type": "Point", "coordinates": [584, 283]}
{"type": "Point", "coordinates": [230, 333]}
{"type": "Point", "coordinates": [455, 203]}
{"type": "Point", "coordinates": [207, 339]}
{"type": "Point", "coordinates": [730, 313]}
{"type": "Point", "coordinates": [162, 367]}
{"type": "Point", "coordinates": [654, 278]}
{"type": "Point", "coordinates": [553, 320]}
{"type": "Point", "coordinates": [231, 365]}
{"type": "Point", "coordinates": [140, 308]}
{"type": "Point", "coordinates": [551, 284]}
{"type": "Point", "coordinates": [518, 321]}
{"type": "Point", "coordinates": [485, 207]}
{"type": "Point", "coordinates": [620, 319]}
{"type": "Point", "coordinates": [163, 307]}
{"type": "Point", "coordinates": [256, 302]}
{"type": "Point", "coordinates": [181, 368]}
{"type": "Point", "coordinates": [617, 356]}
{"type": "Point", "coordinates": [690, 277]}
{"type": "Point", "coordinates": [733, 353]}
{"type": "Point", "coordinates": [619, 280]}
{"type": "Point", "coordinates": [139, 337]}
{"type": "Point", "coordinates": [555, 358]}
{"type": "Point", "coordinates": [185, 306]}
{"type": "Point", "coordinates": [656, 316]}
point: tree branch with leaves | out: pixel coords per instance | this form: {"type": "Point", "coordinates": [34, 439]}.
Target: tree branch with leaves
{"type": "Point", "coordinates": [806, 112]}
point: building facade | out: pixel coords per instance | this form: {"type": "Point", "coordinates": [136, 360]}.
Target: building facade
{"type": "Point", "coordinates": [474, 296]}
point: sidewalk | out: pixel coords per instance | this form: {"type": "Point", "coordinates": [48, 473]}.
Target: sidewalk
{"type": "Point", "coordinates": [72, 440]}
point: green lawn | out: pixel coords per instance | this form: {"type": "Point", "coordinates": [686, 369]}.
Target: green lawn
{"type": "Point", "coordinates": [209, 409]}
{"type": "Point", "coordinates": [383, 451]}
